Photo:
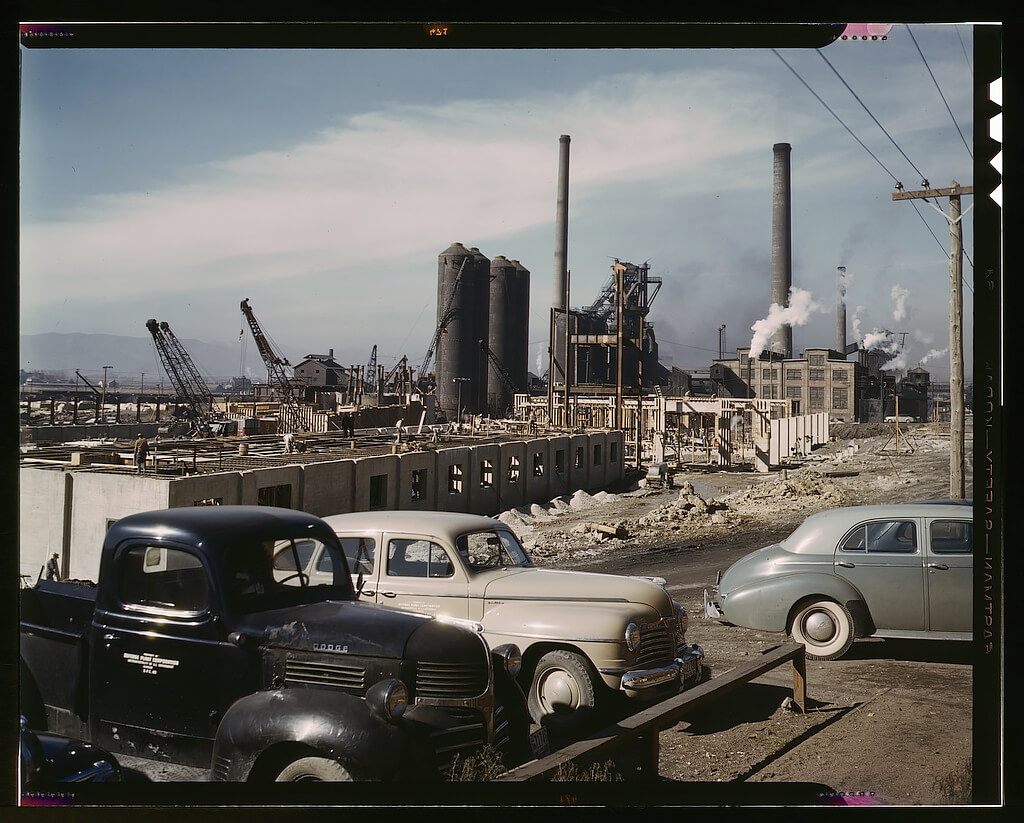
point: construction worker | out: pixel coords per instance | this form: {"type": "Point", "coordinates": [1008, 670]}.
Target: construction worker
{"type": "Point", "coordinates": [52, 568]}
{"type": "Point", "coordinates": [141, 453]}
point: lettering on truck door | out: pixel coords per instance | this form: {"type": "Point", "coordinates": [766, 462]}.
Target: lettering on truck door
{"type": "Point", "coordinates": [151, 688]}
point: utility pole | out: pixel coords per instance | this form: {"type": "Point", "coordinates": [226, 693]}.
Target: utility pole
{"type": "Point", "coordinates": [957, 487]}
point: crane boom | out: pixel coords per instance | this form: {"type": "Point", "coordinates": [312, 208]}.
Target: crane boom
{"type": "Point", "coordinates": [183, 374]}
{"type": "Point", "coordinates": [446, 317]}
{"type": "Point", "coordinates": [291, 411]}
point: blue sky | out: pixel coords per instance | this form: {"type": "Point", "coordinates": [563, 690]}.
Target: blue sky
{"type": "Point", "coordinates": [322, 184]}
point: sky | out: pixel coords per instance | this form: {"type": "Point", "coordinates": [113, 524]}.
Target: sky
{"type": "Point", "coordinates": [322, 184]}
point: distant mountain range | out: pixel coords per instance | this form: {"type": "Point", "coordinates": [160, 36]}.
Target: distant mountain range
{"type": "Point", "coordinates": [60, 354]}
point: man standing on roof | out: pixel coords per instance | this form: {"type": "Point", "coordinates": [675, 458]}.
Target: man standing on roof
{"type": "Point", "coordinates": [141, 453]}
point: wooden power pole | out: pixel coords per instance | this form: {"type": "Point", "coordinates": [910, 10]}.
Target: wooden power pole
{"type": "Point", "coordinates": [957, 486]}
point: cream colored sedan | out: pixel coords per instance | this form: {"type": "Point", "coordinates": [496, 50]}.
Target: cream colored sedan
{"type": "Point", "coordinates": [584, 637]}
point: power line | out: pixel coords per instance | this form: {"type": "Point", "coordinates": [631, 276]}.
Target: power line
{"type": "Point", "coordinates": [936, 82]}
{"type": "Point", "coordinates": [855, 97]}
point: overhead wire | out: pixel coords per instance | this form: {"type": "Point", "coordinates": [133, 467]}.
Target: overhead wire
{"type": "Point", "coordinates": [862, 144]}
{"type": "Point", "coordinates": [939, 90]}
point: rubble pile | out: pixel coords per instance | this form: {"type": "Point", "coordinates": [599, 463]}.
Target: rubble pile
{"type": "Point", "coordinates": [808, 488]}
{"type": "Point", "coordinates": [689, 508]}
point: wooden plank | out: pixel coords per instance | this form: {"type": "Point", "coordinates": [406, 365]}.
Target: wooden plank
{"type": "Point", "coordinates": [661, 715]}
{"type": "Point", "coordinates": [921, 193]}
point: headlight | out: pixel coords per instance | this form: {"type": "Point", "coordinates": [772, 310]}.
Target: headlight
{"type": "Point", "coordinates": [388, 699]}
{"type": "Point", "coordinates": [632, 637]}
{"type": "Point", "coordinates": [683, 620]}
{"type": "Point", "coordinates": [509, 658]}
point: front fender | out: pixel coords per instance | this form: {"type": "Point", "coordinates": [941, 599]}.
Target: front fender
{"type": "Point", "coordinates": [766, 603]}
{"type": "Point", "coordinates": [334, 724]}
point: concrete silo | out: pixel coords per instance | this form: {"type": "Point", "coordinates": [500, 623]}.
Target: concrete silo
{"type": "Point", "coordinates": [508, 333]}
{"type": "Point", "coordinates": [462, 308]}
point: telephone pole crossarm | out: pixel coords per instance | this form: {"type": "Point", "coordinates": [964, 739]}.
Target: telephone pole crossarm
{"type": "Point", "coordinates": [921, 194]}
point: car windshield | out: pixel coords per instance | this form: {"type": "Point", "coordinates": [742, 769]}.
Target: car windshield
{"type": "Point", "coordinates": [273, 574]}
{"type": "Point", "coordinates": [492, 549]}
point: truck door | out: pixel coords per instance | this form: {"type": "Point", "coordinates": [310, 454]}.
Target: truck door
{"type": "Point", "coordinates": [950, 567]}
{"type": "Point", "coordinates": [418, 574]}
{"type": "Point", "coordinates": [154, 677]}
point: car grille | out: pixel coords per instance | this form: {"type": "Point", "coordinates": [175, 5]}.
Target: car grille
{"type": "Point", "coordinates": [219, 772]}
{"type": "Point", "coordinates": [446, 681]}
{"type": "Point", "coordinates": [657, 645]}
{"type": "Point", "coordinates": [347, 677]}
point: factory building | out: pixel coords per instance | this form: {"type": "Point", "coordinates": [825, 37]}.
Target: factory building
{"type": "Point", "coordinates": [320, 371]}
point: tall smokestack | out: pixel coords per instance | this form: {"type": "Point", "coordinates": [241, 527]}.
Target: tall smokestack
{"type": "Point", "coordinates": [841, 311]}
{"type": "Point", "coordinates": [782, 246]}
{"type": "Point", "coordinates": [561, 224]}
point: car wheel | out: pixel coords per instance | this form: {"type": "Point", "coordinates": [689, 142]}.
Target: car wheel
{"type": "Point", "coordinates": [562, 695]}
{"type": "Point", "coordinates": [316, 769]}
{"type": "Point", "coordinates": [825, 628]}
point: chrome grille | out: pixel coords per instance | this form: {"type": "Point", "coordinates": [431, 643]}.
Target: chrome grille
{"type": "Point", "coordinates": [348, 677]}
{"type": "Point", "coordinates": [219, 772]}
{"type": "Point", "coordinates": [657, 645]}
{"type": "Point", "coordinates": [448, 680]}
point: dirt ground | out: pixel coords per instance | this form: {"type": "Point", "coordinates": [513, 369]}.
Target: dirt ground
{"type": "Point", "coordinates": [889, 724]}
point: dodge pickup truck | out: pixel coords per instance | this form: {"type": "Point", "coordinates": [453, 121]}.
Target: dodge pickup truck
{"type": "Point", "coordinates": [191, 649]}
{"type": "Point", "coordinates": [586, 639]}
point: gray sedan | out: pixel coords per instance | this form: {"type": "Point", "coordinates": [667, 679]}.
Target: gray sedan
{"type": "Point", "coordinates": [900, 570]}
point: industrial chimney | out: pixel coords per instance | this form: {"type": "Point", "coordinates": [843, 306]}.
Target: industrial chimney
{"type": "Point", "coordinates": [782, 246]}
{"type": "Point", "coordinates": [841, 311]}
{"type": "Point", "coordinates": [561, 224]}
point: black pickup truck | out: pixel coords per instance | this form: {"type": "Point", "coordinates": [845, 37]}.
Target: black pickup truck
{"type": "Point", "coordinates": [204, 645]}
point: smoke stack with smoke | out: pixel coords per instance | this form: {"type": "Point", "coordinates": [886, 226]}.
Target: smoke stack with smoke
{"type": "Point", "coordinates": [842, 280]}
{"type": "Point", "coordinates": [797, 313]}
{"type": "Point", "coordinates": [932, 355]}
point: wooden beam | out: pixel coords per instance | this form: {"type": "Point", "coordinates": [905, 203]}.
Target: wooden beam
{"type": "Point", "coordinates": [922, 193]}
{"type": "Point", "coordinates": [652, 720]}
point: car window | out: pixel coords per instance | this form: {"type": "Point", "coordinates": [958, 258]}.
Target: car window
{"type": "Point", "coordinates": [491, 550]}
{"type": "Point", "coordinates": [359, 551]}
{"type": "Point", "coordinates": [952, 537]}
{"type": "Point", "coordinates": [285, 559]}
{"type": "Point", "coordinates": [163, 578]}
{"type": "Point", "coordinates": [883, 536]}
{"type": "Point", "coordinates": [418, 558]}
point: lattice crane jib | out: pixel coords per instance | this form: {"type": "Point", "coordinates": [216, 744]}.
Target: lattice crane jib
{"type": "Point", "coordinates": [180, 370]}
{"type": "Point", "coordinates": [291, 411]}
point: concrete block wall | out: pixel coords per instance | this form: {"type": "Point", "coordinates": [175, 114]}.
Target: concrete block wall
{"type": "Point", "coordinates": [382, 469]}
{"type": "Point", "coordinates": [98, 499]}
{"type": "Point", "coordinates": [41, 518]}
{"type": "Point", "coordinates": [256, 479]}
{"type": "Point", "coordinates": [483, 478]}
{"type": "Point", "coordinates": [329, 488]}
{"type": "Point", "coordinates": [559, 477]}
{"type": "Point", "coordinates": [453, 496]}
{"type": "Point", "coordinates": [579, 462]}
{"type": "Point", "coordinates": [539, 469]}
{"type": "Point", "coordinates": [223, 488]}
{"type": "Point", "coordinates": [68, 511]}
{"type": "Point", "coordinates": [512, 477]}
{"type": "Point", "coordinates": [425, 465]}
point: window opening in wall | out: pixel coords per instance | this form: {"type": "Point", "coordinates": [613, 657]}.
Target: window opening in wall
{"type": "Point", "coordinates": [513, 470]}
{"type": "Point", "coordinates": [579, 458]}
{"type": "Point", "coordinates": [275, 496]}
{"type": "Point", "coordinates": [486, 474]}
{"type": "Point", "coordinates": [613, 452]}
{"type": "Point", "coordinates": [378, 491]}
{"type": "Point", "coordinates": [597, 454]}
{"type": "Point", "coordinates": [455, 478]}
{"type": "Point", "coordinates": [418, 484]}
{"type": "Point", "coordinates": [538, 464]}
{"type": "Point", "coordinates": [210, 501]}
{"type": "Point", "coordinates": [560, 460]}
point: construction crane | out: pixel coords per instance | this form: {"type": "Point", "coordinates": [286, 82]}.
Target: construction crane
{"type": "Point", "coordinates": [499, 368]}
{"type": "Point", "coordinates": [184, 375]}
{"type": "Point", "coordinates": [371, 370]}
{"type": "Point", "coordinates": [291, 419]}
{"type": "Point", "coordinates": [447, 316]}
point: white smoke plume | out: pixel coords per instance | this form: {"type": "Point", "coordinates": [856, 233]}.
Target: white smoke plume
{"type": "Point", "coordinates": [542, 359]}
{"type": "Point", "coordinates": [898, 363]}
{"type": "Point", "coordinates": [900, 295]}
{"type": "Point", "coordinates": [933, 354]}
{"type": "Point", "coordinates": [797, 313]}
{"type": "Point", "coordinates": [881, 339]}
{"type": "Point", "coordinates": [856, 322]}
